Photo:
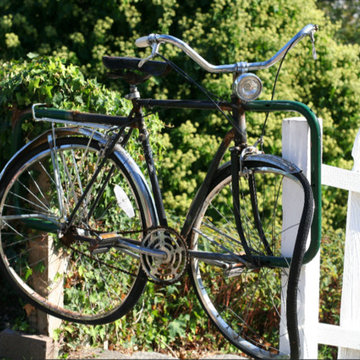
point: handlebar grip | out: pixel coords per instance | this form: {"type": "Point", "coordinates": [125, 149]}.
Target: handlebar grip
{"type": "Point", "coordinates": [142, 42]}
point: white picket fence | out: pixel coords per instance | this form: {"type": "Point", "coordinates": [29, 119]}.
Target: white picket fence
{"type": "Point", "coordinates": [296, 148]}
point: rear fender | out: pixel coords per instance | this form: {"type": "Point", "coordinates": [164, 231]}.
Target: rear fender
{"type": "Point", "coordinates": [130, 167]}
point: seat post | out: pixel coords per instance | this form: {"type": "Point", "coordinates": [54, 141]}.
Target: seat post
{"type": "Point", "coordinates": [134, 93]}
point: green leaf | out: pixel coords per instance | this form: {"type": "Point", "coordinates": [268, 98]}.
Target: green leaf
{"type": "Point", "coordinates": [34, 84]}
{"type": "Point", "coordinates": [69, 329]}
{"type": "Point", "coordinates": [176, 328]}
{"type": "Point", "coordinates": [46, 90]}
{"type": "Point", "coordinates": [32, 55]}
{"type": "Point", "coordinates": [28, 273]}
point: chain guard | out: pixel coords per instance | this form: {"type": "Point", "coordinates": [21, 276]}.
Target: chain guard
{"type": "Point", "coordinates": [170, 269]}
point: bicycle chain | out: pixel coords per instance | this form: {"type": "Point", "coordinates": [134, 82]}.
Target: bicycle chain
{"type": "Point", "coordinates": [110, 266]}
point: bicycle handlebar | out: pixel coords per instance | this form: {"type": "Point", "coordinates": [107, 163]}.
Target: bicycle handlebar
{"type": "Point", "coordinates": [154, 40]}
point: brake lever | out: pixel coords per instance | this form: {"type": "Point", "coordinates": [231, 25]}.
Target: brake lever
{"type": "Point", "coordinates": [312, 37]}
{"type": "Point", "coordinates": [154, 52]}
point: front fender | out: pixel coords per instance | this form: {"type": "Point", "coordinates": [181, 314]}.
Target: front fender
{"type": "Point", "coordinates": [274, 161]}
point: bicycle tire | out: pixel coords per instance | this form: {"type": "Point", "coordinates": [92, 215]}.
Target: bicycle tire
{"type": "Point", "coordinates": [244, 302]}
{"type": "Point", "coordinates": [92, 289]}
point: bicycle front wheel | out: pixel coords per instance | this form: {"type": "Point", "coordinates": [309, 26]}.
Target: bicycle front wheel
{"type": "Point", "coordinates": [246, 301]}
{"type": "Point", "coordinates": [65, 275]}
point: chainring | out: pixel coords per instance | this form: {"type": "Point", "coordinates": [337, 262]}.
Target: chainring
{"type": "Point", "coordinates": [170, 269]}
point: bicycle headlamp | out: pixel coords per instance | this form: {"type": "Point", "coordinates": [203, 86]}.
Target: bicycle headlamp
{"type": "Point", "coordinates": [247, 87]}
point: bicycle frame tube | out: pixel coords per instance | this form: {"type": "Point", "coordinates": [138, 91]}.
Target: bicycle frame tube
{"type": "Point", "coordinates": [257, 106]}
{"type": "Point", "coordinates": [144, 139]}
{"type": "Point", "coordinates": [199, 105]}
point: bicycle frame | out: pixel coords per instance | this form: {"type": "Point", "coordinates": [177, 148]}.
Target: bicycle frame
{"type": "Point", "coordinates": [136, 119]}
{"type": "Point", "coordinates": [258, 106]}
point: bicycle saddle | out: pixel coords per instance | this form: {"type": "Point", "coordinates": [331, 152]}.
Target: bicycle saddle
{"type": "Point", "coordinates": [124, 67]}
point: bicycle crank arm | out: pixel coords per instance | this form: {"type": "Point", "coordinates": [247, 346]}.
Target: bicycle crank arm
{"type": "Point", "coordinates": [114, 242]}
{"type": "Point", "coordinates": [125, 244]}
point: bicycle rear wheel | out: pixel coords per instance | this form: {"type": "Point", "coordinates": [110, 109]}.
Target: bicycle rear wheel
{"type": "Point", "coordinates": [63, 275]}
{"type": "Point", "coordinates": [246, 301]}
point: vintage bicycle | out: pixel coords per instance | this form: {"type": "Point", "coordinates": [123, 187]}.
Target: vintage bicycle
{"type": "Point", "coordinates": [81, 231]}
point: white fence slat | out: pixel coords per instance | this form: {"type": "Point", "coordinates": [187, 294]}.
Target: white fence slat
{"type": "Point", "coordinates": [338, 336]}
{"type": "Point", "coordinates": [350, 296]}
{"type": "Point", "coordinates": [340, 178]}
{"type": "Point", "coordinates": [296, 148]}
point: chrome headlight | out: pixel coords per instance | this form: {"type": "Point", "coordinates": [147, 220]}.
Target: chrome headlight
{"type": "Point", "coordinates": [247, 87]}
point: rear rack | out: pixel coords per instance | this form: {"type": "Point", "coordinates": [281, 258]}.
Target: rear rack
{"type": "Point", "coordinates": [42, 113]}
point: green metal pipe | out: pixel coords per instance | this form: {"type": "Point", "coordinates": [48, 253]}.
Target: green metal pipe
{"type": "Point", "coordinates": [315, 136]}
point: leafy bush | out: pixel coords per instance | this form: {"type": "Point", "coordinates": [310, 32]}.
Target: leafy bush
{"type": "Point", "coordinates": [165, 318]}
{"type": "Point", "coordinates": [347, 14]}
{"type": "Point", "coordinates": [52, 81]}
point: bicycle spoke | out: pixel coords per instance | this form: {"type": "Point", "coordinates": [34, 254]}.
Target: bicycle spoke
{"type": "Point", "coordinates": [47, 173]}
{"type": "Point", "coordinates": [28, 201]}
{"type": "Point", "coordinates": [23, 240]}
{"type": "Point", "coordinates": [77, 174]}
{"type": "Point", "coordinates": [212, 241]}
{"type": "Point", "coordinates": [45, 207]}
{"type": "Point", "coordinates": [69, 183]}
{"type": "Point", "coordinates": [222, 233]}
{"type": "Point", "coordinates": [38, 189]}
{"type": "Point", "coordinates": [22, 209]}
{"type": "Point", "coordinates": [59, 189]}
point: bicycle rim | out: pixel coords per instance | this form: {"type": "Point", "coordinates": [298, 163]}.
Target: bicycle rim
{"type": "Point", "coordinates": [63, 276]}
{"type": "Point", "coordinates": [246, 303]}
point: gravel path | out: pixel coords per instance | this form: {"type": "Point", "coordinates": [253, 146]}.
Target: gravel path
{"type": "Point", "coordinates": [108, 354]}
{"type": "Point", "coordinates": [15, 345]}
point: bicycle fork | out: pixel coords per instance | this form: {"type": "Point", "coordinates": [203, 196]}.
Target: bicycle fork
{"type": "Point", "coordinates": [237, 153]}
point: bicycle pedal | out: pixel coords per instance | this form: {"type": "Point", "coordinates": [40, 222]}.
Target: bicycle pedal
{"type": "Point", "coordinates": [100, 250]}
{"type": "Point", "coordinates": [105, 244]}
{"type": "Point", "coordinates": [106, 236]}
{"type": "Point", "coordinates": [235, 270]}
